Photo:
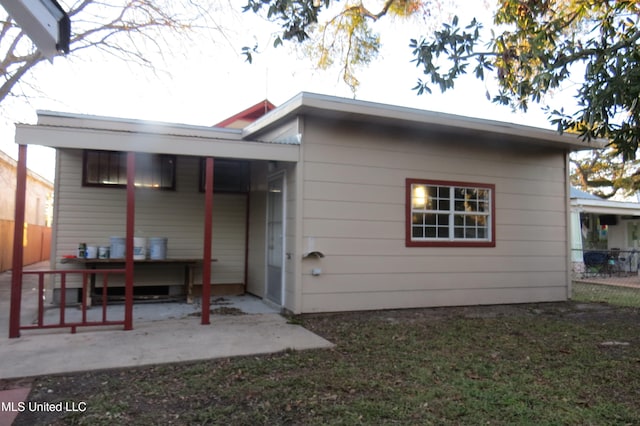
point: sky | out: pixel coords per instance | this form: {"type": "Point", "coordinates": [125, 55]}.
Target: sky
{"type": "Point", "coordinates": [206, 81]}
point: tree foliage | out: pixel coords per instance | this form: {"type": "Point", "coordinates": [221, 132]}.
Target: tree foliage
{"type": "Point", "coordinates": [537, 46]}
{"type": "Point", "coordinates": [605, 174]}
{"type": "Point", "coordinates": [336, 32]}
{"type": "Point", "coordinates": [130, 30]}
{"type": "Point", "coordinates": [534, 48]}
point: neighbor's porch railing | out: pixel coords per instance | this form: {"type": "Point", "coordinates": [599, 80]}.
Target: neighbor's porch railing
{"type": "Point", "coordinates": [607, 262]}
{"type": "Point", "coordinates": [87, 275]}
{"type": "Point", "coordinates": [606, 276]}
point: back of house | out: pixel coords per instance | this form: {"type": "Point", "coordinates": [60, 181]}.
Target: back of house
{"type": "Point", "coordinates": [329, 204]}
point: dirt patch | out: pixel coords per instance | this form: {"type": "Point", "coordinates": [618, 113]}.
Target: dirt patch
{"type": "Point", "coordinates": [222, 310]}
{"type": "Point", "coordinates": [6, 384]}
{"type": "Point", "coordinates": [583, 311]}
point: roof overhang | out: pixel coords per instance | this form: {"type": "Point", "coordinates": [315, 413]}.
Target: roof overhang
{"type": "Point", "coordinates": [61, 130]}
{"type": "Point", "coordinates": [370, 112]}
{"type": "Point", "coordinates": [605, 207]}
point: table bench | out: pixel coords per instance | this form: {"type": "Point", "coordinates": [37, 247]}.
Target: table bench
{"type": "Point", "coordinates": [189, 267]}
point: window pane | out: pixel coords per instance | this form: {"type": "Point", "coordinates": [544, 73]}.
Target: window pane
{"type": "Point", "coordinates": [168, 172]}
{"type": "Point", "coordinates": [92, 168]}
{"type": "Point", "coordinates": [119, 176]}
{"type": "Point", "coordinates": [431, 201]}
{"type": "Point", "coordinates": [418, 197]}
{"type": "Point", "coordinates": [450, 213]}
{"type": "Point", "coordinates": [458, 232]}
{"type": "Point", "coordinates": [230, 176]}
{"type": "Point", "coordinates": [109, 168]}
{"type": "Point", "coordinates": [101, 168]}
{"type": "Point", "coordinates": [443, 232]}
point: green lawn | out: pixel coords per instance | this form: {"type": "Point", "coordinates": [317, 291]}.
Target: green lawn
{"type": "Point", "coordinates": [552, 364]}
{"type": "Point", "coordinates": [619, 296]}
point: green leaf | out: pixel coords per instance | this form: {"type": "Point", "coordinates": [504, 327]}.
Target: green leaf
{"type": "Point", "coordinates": [246, 51]}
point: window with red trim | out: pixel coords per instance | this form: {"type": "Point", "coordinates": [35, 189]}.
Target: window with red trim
{"type": "Point", "coordinates": [446, 213]}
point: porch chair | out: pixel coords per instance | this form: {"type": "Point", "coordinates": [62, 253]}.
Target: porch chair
{"type": "Point", "coordinates": [616, 263]}
{"type": "Point", "coordinates": [595, 263]}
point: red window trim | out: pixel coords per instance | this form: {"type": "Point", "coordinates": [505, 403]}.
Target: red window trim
{"type": "Point", "coordinates": [408, 213]}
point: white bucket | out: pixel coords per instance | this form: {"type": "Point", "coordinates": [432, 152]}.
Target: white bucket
{"type": "Point", "coordinates": [92, 252]}
{"type": "Point", "coordinates": [103, 252]}
{"type": "Point", "coordinates": [139, 248]}
{"type": "Point", "coordinates": [117, 248]}
{"type": "Point", "coordinates": [158, 248]}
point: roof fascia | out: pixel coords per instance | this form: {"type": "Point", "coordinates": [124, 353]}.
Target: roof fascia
{"type": "Point", "coordinates": [179, 144]}
{"type": "Point", "coordinates": [376, 113]}
{"type": "Point", "coordinates": [82, 121]}
{"type": "Point", "coordinates": [605, 206]}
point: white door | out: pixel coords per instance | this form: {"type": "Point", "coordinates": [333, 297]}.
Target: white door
{"type": "Point", "coordinates": [275, 238]}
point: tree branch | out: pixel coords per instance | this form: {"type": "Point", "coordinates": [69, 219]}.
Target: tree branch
{"type": "Point", "coordinates": [8, 85]}
{"type": "Point", "coordinates": [363, 11]}
{"type": "Point", "coordinates": [563, 60]}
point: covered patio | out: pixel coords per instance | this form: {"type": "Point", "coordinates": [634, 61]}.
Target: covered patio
{"type": "Point", "coordinates": [69, 134]}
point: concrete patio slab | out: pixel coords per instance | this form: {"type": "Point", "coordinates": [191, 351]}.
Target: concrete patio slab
{"type": "Point", "coordinates": [163, 333]}
{"type": "Point", "coordinates": [153, 342]}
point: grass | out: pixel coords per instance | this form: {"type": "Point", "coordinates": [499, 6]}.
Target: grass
{"type": "Point", "coordinates": [528, 364]}
{"type": "Point", "coordinates": [615, 295]}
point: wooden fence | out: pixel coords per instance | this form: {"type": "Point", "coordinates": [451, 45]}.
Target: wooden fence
{"type": "Point", "coordinates": [37, 244]}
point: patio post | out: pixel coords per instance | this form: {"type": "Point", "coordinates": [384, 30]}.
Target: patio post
{"type": "Point", "coordinates": [208, 228]}
{"type": "Point", "coordinates": [128, 292]}
{"type": "Point", "coordinates": [18, 248]}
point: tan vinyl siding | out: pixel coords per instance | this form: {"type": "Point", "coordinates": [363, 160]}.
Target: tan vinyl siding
{"type": "Point", "coordinates": [93, 215]}
{"type": "Point", "coordinates": [421, 298]}
{"type": "Point", "coordinates": [354, 208]}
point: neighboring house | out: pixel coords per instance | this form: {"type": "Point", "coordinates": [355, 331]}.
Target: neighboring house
{"type": "Point", "coordinates": [38, 214]}
{"type": "Point", "coordinates": [604, 225]}
{"type": "Point", "coordinates": [330, 204]}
